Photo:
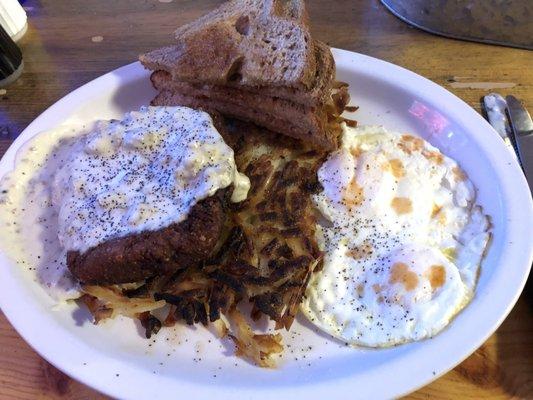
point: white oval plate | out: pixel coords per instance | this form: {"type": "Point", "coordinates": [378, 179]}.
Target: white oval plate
{"type": "Point", "coordinates": [114, 357]}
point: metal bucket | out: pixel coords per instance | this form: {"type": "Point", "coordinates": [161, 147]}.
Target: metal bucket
{"type": "Point", "coordinates": [508, 23]}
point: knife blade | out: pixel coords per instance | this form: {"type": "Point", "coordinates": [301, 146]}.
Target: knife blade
{"type": "Point", "coordinates": [494, 108]}
{"type": "Point", "coordinates": [522, 129]}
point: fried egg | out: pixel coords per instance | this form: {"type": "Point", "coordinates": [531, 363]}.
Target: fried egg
{"type": "Point", "coordinates": [402, 237]}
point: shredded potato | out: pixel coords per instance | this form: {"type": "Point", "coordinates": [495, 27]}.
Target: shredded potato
{"type": "Point", "coordinates": [221, 329]}
{"type": "Point", "coordinates": [258, 347]}
{"type": "Point", "coordinates": [111, 303]}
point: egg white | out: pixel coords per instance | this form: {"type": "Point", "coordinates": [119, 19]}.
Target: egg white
{"type": "Point", "coordinates": [403, 240]}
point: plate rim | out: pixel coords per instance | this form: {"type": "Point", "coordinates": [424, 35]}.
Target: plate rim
{"type": "Point", "coordinates": [467, 117]}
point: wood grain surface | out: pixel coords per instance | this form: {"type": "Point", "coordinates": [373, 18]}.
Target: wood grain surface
{"type": "Point", "coordinates": [70, 42]}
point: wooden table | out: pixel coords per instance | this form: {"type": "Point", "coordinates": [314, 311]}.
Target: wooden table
{"type": "Point", "coordinates": [70, 42]}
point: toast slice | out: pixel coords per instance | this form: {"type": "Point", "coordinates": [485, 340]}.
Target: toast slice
{"type": "Point", "coordinates": [250, 42]}
{"type": "Point", "coordinates": [315, 96]}
{"type": "Point", "coordinates": [274, 114]}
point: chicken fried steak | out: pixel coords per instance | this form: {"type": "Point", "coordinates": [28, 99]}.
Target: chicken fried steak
{"type": "Point", "coordinates": [136, 257]}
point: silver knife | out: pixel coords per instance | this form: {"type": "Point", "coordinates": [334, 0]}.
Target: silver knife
{"type": "Point", "coordinates": [522, 129]}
